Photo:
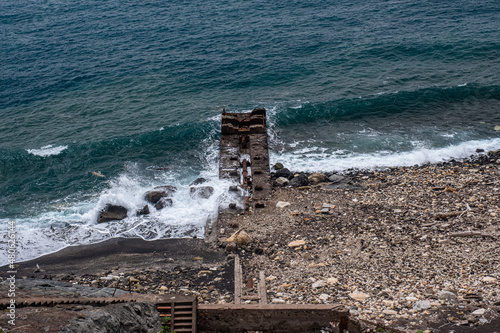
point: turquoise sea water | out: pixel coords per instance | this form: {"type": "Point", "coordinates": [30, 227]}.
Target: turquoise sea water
{"type": "Point", "coordinates": [125, 88]}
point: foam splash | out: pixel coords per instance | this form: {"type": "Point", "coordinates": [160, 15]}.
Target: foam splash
{"type": "Point", "coordinates": [48, 150]}
{"type": "Point", "coordinates": [317, 159]}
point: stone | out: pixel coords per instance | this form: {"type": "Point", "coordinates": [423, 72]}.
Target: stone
{"type": "Point", "coordinates": [422, 305]}
{"type": "Point", "coordinates": [159, 192]}
{"type": "Point", "coordinates": [336, 179]}
{"type": "Point", "coordinates": [317, 178]}
{"type": "Point", "coordinates": [203, 192]}
{"type": "Point", "coordinates": [282, 181]}
{"type": "Point", "coordinates": [448, 296]}
{"type": "Point", "coordinates": [231, 247]}
{"type": "Point", "coordinates": [358, 296]}
{"type": "Point", "coordinates": [489, 279]}
{"type": "Point", "coordinates": [324, 297]}
{"type": "Point", "coordinates": [299, 180]}
{"type": "Point", "coordinates": [284, 172]}
{"type": "Point", "coordinates": [479, 312]}
{"type": "Point", "coordinates": [198, 181]}
{"type": "Point", "coordinates": [239, 238]}
{"type": "Point", "coordinates": [278, 301]}
{"type": "Point", "coordinates": [112, 213]}
{"type": "Point", "coordinates": [143, 211]}
{"type": "Point", "coordinates": [163, 202]}
{"type": "Point", "coordinates": [390, 312]}
{"type": "Point", "coordinates": [319, 284]}
{"type": "Point", "coordinates": [331, 281]}
{"type": "Point", "coordinates": [278, 166]}
{"type": "Point", "coordinates": [282, 204]}
{"type": "Point", "coordinates": [297, 243]}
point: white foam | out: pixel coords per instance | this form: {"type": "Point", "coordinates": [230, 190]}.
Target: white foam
{"type": "Point", "coordinates": [47, 150]}
{"type": "Point", "coordinates": [339, 161]}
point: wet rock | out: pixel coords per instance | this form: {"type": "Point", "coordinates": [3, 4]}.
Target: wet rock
{"type": "Point", "coordinates": [159, 192]}
{"type": "Point", "coordinates": [198, 181]}
{"type": "Point", "coordinates": [282, 181]}
{"type": "Point", "coordinates": [299, 180]}
{"type": "Point", "coordinates": [285, 173]}
{"type": "Point", "coordinates": [143, 211]}
{"type": "Point", "coordinates": [163, 202]}
{"type": "Point", "coordinates": [203, 192]}
{"type": "Point", "coordinates": [317, 178]}
{"type": "Point", "coordinates": [278, 166]}
{"type": "Point", "coordinates": [112, 213]}
{"type": "Point", "coordinates": [336, 179]}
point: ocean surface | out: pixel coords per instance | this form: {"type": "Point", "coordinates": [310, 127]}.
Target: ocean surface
{"type": "Point", "coordinates": [101, 101]}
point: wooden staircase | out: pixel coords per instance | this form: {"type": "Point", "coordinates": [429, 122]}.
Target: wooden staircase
{"type": "Point", "coordinates": [182, 313]}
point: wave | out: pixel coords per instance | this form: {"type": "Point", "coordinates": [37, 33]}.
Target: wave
{"type": "Point", "coordinates": [316, 159]}
{"type": "Point", "coordinates": [384, 104]}
{"type": "Point", "coordinates": [48, 150]}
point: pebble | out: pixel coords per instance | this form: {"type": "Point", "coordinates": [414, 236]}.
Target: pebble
{"type": "Point", "coordinates": [358, 296]}
{"type": "Point", "coordinates": [489, 279]}
{"type": "Point", "coordinates": [479, 312]}
{"type": "Point", "coordinates": [330, 281]}
{"type": "Point", "coordinates": [319, 284]}
{"type": "Point", "coordinates": [282, 204]}
{"type": "Point", "coordinates": [297, 243]}
{"type": "Point", "coordinates": [421, 305]}
{"type": "Point", "coordinates": [447, 295]}
{"type": "Point", "coordinates": [390, 312]}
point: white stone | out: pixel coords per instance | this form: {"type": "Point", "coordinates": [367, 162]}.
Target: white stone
{"type": "Point", "coordinates": [278, 301]}
{"type": "Point", "coordinates": [282, 204]}
{"type": "Point", "coordinates": [297, 243]}
{"type": "Point", "coordinates": [319, 284]}
{"type": "Point", "coordinates": [479, 312]}
{"type": "Point", "coordinates": [390, 312]}
{"type": "Point", "coordinates": [489, 279]}
{"type": "Point", "coordinates": [332, 281]}
{"type": "Point", "coordinates": [357, 296]}
{"type": "Point", "coordinates": [422, 305]}
{"type": "Point", "coordinates": [324, 297]}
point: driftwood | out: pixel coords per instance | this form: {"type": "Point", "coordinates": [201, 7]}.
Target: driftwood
{"type": "Point", "coordinates": [470, 234]}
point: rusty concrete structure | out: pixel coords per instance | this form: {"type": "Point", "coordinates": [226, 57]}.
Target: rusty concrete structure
{"type": "Point", "coordinates": [244, 155]}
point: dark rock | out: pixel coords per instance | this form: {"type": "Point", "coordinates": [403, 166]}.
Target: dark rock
{"type": "Point", "coordinates": [198, 181]}
{"type": "Point", "coordinates": [232, 205]}
{"type": "Point", "coordinates": [336, 178]}
{"type": "Point", "coordinates": [479, 150]}
{"type": "Point", "coordinates": [143, 211]}
{"type": "Point", "coordinates": [278, 166]}
{"type": "Point", "coordinates": [127, 317]}
{"type": "Point", "coordinates": [159, 192]}
{"type": "Point", "coordinates": [163, 202]}
{"type": "Point", "coordinates": [204, 192]}
{"type": "Point", "coordinates": [112, 213]}
{"type": "Point", "coordinates": [285, 173]}
{"type": "Point", "coordinates": [300, 180]}
{"type": "Point", "coordinates": [231, 247]}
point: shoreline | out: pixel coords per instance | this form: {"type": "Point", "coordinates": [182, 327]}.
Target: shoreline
{"type": "Point", "coordinates": [407, 248]}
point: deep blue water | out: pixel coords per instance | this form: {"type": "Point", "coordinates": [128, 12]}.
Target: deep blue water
{"type": "Point", "coordinates": [126, 87]}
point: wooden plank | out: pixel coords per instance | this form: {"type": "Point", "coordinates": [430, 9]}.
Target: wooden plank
{"type": "Point", "coordinates": [237, 280]}
{"type": "Point", "coordinates": [262, 288]}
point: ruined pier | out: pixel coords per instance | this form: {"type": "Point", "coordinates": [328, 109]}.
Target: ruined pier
{"type": "Point", "coordinates": [244, 156]}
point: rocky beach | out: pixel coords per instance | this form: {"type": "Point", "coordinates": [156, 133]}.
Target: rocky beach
{"type": "Point", "coordinates": [404, 249]}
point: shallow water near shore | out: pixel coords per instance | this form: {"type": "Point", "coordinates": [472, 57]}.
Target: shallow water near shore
{"type": "Point", "coordinates": [100, 102]}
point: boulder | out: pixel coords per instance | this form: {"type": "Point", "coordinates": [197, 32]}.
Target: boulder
{"type": "Point", "coordinates": [239, 238]}
{"type": "Point", "coordinates": [159, 192]}
{"type": "Point", "coordinates": [143, 211]}
{"type": "Point", "coordinates": [285, 173]}
{"type": "Point", "coordinates": [163, 202]}
{"type": "Point", "coordinates": [198, 181]}
{"type": "Point", "coordinates": [112, 213]}
{"type": "Point", "coordinates": [282, 181]}
{"type": "Point", "coordinates": [317, 178]}
{"type": "Point", "coordinates": [336, 179]}
{"type": "Point", "coordinates": [203, 192]}
{"type": "Point", "coordinates": [278, 166]}
{"type": "Point", "coordinates": [299, 180]}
